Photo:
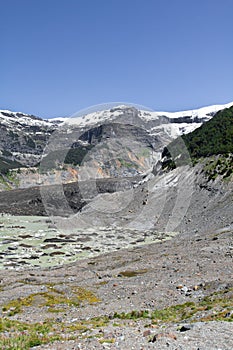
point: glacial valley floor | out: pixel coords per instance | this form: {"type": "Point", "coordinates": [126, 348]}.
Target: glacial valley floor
{"type": "Point", "coordinates": [174, 294]}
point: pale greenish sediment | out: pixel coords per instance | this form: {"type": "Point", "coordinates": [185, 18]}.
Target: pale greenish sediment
{"type": "Point", "coordinates": [32, 241]}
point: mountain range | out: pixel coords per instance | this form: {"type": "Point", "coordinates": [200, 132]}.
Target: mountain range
{"type": "Point", "coordinates": [134, 137]}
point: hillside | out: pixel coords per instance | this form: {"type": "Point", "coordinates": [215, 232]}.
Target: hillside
{"type": "Point", "coordinates": [213, 140]}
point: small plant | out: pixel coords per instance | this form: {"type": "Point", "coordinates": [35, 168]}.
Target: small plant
{"type": "Point", "coordinates": [108, 340]}
{"type": "Point", "coordinates": [23, 336]}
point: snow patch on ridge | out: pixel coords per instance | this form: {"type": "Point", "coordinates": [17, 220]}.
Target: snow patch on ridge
{"type": "Point", "coordinates": [8, 118]}
{"type": "Point", "coordinates": [202, 114]}
{"type": "Point", "coordinates": [174, 129]}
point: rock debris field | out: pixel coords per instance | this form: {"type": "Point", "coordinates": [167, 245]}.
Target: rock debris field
{"type": "Point", "coordinates": [159, 292]}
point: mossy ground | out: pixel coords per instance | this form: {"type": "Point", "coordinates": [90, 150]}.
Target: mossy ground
{"type": "Point", "coordinates": [53, 299]}
{"type": "Point", "coordinates": [216, 307]}
{"type": "Point", "coordinates": [17, 335]}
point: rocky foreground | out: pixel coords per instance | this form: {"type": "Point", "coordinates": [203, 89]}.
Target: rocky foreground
{"type": "Point", "coordinates": [176, 294]}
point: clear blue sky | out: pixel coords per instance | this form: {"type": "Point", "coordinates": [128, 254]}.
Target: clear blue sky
{"type": "Point", "coordinates": [60, 56]}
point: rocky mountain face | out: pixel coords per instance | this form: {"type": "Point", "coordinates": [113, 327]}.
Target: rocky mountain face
{"type": "Point", "coordinates": [115, 142]}
{"type": "Point", "coordinates": [23, 137]}
{"type": "Point", "coordinates": [116, 149]}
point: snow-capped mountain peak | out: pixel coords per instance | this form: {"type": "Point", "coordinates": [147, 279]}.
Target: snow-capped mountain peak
{"type": "Point", "coordinates": [86, 119]}
{"type": "Point", "coordinates": [172, 124]}
{"type": "Point", "coordinates": [23, 136]}
{"type": "Point", "coordinates": [8, 118]}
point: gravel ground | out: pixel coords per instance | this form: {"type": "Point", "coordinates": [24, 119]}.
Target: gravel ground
{"type": "Point", "coordinates": [187, 268]}
{"type": "Point", "coordinates": [202, 336]}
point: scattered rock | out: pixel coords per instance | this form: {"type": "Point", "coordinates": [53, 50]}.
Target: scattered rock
{"type": "Point", "coordinates": [163, 335]}
{"type": "Point", "coordinates": [186, 327]}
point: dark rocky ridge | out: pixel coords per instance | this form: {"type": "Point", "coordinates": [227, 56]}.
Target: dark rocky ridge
{"type": "Point", "coordinates": [29, 201]}
{"type": "Point", "coordinates": [118, 130]}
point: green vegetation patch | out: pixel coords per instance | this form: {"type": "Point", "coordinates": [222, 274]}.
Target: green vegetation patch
{"type": "Point", "coordinates": [15, 335]}
{"type": "Point", "coordinates": [217, 307]}
{"type": "Point", "coordinates": [23, 336]}
{"type": "Point", "coordinates": [213, 137]}
{"type": "Point", "coordinates": [54, 300]}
